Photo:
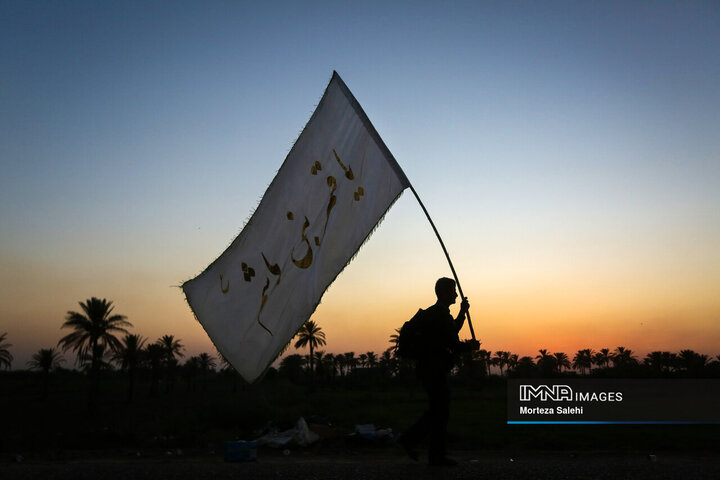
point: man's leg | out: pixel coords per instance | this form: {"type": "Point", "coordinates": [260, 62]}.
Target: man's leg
{"type": "Point", "coordinates": [422, 427]}
{"type": "Point", "coordinates": [414, 435]}
{"type": "Point", "coordinates": [439, 414]}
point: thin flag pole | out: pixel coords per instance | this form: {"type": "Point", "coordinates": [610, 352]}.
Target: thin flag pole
{"type": "Point", "coordinates": [457, 281]}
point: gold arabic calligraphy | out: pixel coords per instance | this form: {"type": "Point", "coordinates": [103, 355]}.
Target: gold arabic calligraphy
{"type": "Point", "coordinates": [306, 260]}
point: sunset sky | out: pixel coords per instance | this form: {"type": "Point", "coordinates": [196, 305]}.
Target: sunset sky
{"type": "Point", "coordinates": [569, 153]}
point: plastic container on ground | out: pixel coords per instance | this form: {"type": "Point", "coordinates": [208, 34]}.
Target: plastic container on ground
{"type": "Point", "coordinates": [240, 451]}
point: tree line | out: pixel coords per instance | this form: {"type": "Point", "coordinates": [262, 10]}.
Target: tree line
{"type": "Point", "coordinates": [95, 342]}
{"type": "Point", "coordinates": [95, 331]}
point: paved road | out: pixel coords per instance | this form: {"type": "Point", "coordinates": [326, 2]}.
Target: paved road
{"type": "Point", "coordinates": [368, 467]}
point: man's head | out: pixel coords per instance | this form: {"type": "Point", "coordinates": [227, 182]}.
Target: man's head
{"type": "Point", "coordinates": [445, 291]}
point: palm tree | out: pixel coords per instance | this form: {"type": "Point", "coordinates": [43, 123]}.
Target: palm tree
{"type": "Point", "coordinates": [543, 355]}
{"type": "Point", "coordinates": [525, 367]}
{"type": "Point", "coordinates": [310, 335]}
{"type": "Point", "coordinates": [350, 361]}
{"type": "Point", "coordinates": [328, 365]}
{"type": "Point", "coordinates": [154, 355]}
{"type": "Point", "coordinates": [291, 366]}
{"type": "Point", "coordinates": [46, 359]}
{"type": "Point", "coordinates": [371, 359]}
{"type": "Point", "coordinates": [484, 357]}
{"type": "Point", "coordinates": [654, 361]}
{"type": "Point", "coordinates": [388, 363]}
{"type": "Point", "coordinates": [513, 362]}
{"type": "Point", "coordinates": [545, 361]}
{"type": "Point", "coordinates": [561, 361]}
{"type": "Point", "coordinates": [94, 332]}
{"type": "Point", "coordinates": [623, 357]}
{"type": "Point", "coordinates": [395, 340]}
{"type": "Point", "coordinates": [206, 363]}
{"type": "Point", "coordinates": [129, 356]}
{"type": "Point", "coordinates": [583, 360]}
{"type": "Point", "coordinates": [602, 358]}
{"type": "Point", "coordinates": [171, 348]}
{"type": "Point", "coordinates": [189, 372]}
{"type": "Point", "coordinates": [501, 359]}
{"type": "Point", "coordinates": [692, 362]}
{"type": "Point", "coordinates": [340, 364]}
{"type": "Point", "coordinates": [320, 363]}
{"type": "Point", "coordinates": [5, 357]}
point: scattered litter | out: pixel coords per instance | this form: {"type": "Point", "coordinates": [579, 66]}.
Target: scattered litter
{"type": "Point", "coordinates": [300, 435]}
{"type": "Point", "coordinates": [512, 459]}
{"type": "Point", "coordinates": [369, 432]}
{"type": "Point", "coordinates": [653, 458]}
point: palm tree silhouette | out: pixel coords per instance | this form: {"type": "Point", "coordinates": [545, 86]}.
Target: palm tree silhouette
{"type": "Point", "coordinates": [660, 362]}
{"type": "Point", "coordinates": [561, 361]}
{"type": "Point", "coordinates": [171, 348]}
{"type": "Point", "coordinates": [622, 357]}
{"type": "Point", "coordinates": [692, 362]}
{"type": "Point", "coordinates": [513, 362]}
{"type": "Point", "coordinates": [129, 356]}
{"type": "Point", "coordinates": [153, 356]}
{"type": "Point", "coordinates": [526, 367]}
{"type": "Point", "coordinates": [291, 366]}
{"type": "Point", "coordinates": [501, 359]}
{"type": "Point", "coordinates": [583, 360]}
{"type": "Point", "coordinates": [545, 361]}
{"type": "Point", "coordinates": [388, 363]}
{"type": "Point", "coordinates": [395, 340]}
{"type": "Point", "coordinates": [602, 358]}
{"type": "Point", "coordinates": [484, 358]}
{"type": "Point", "coordinates": [350, 361]}
{"type": "Point", "coordinates": [189, 371]}
{"type": "Point", "coordinates": [5, 357]}
{"type": "Point", "coordinates": [46, 359]}
{"type": "Point", "coordinates": [310, 335]}
{"type": "Point", "coordinates": [320, 363]}
{"type": "Point", "coordinates": [206, 364]}
{"type": "Point", "coordinates": [94, 332]}
{"type": "Point", "coordinates": [371, 359]}
{"type": "Point", "coordinates": [328, 365]}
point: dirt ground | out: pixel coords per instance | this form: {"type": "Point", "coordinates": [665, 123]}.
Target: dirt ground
{"type": "Point", "coordinates": [372, 465]}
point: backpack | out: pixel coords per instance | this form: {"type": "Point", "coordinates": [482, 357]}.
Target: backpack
{"type": "Point", "coordinates": [410, 341]}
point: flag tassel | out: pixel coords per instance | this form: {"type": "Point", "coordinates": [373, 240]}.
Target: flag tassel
{"type": "Point", "coordinates": [447, 255]}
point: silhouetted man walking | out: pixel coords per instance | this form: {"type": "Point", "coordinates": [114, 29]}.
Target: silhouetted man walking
{"type": "Point", "coordinates": [438, 334]}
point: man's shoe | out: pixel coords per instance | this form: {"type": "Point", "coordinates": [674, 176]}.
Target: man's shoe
{"type": "Point", "coordinates": [442, 462]}
{"type": "Point", "coordinates": [408, 447]}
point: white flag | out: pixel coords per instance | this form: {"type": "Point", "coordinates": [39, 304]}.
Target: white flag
{"type": "Point", "coordinates": [335, 185]}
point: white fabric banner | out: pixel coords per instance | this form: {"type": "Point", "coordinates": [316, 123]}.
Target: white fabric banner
{"type": "Point", "coordinates": [335, 185]}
